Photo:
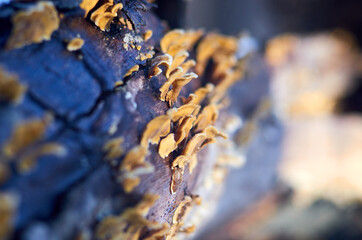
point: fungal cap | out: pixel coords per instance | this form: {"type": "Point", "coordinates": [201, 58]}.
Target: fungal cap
{"type": "Point", "coordinates": [33, 25]}
{"type": "Point", "coordinates": [88, 5]}
{"type": "Point", "coordinates": [134, 158]}
{"type": "Point", "coordinates": [167, 145]}
{"type": "Point", "coordinates": [178, 84]}
{"type": "Point", "coordinates": [11, 90]}
{"type": "Point", "coordinates": [133, 69]}
{"type": "Point", "coordinates": [155, 129]}
{"type": "Point", "coordinates": [162, 60]}
{"type": "Point", "coordinates": [147, 35]}
{"type": "Point", "coordinates": [113, 148]}
{"type": "Point", "coordinates": [184, 128]}
{"type": "Point", "coordinates": [27, 162]}
{"type": "Point", "coordinates": [75, 44]}
{"type": "Point", "coordinates": [25, 134]}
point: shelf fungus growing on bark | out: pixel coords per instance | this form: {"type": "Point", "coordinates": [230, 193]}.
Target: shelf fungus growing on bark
{"type": "Point", "coordinates": [11, 90]}
{"type": "Point", "coordinates": [113, 148]}
{"type": "Point", "coordinates": [8, 207]}
{"type": "Point", "coordinates": [33, 25]}
{"type": "Point", "coordinates": [24, 135]}
{"type": "Point", "coordinates": [75, 44]}
{"type": "Point", "coordinates": [133, 69]}
{"type": "Point", "coordinates": [135, 115]}
{"type": "Point", "coordinates": [104, 15]}
{"type": "Point", "coordinates": [180, 215]}
{"type": "Point", "coordinates": [147, 35]}
{"type": "Point", "coordinates": [133, 166]}
{"type": "Point", "coordinates": [175, 45]}
{"type": "Point", "coordinates": [131, 223]}
{"type": "Point", "coordinates": [88, 5]}
{"type": "Point", "coordinates": [167, 145]}
{"type": "Point", "coordinates": [26, 146]}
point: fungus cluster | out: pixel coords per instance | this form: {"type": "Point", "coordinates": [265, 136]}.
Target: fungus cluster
{"type": "Point", "coordinates": [131, 222]}
{"type": "Point", "coordinates": [175, 45]}
{"type": "Point", "coordinates": [33, 25]}
{"type": "Point", "coordinates": [103, 16]}
{"type": "Point", "coordinates": [182, 132]}
{"type": "Point", "coordinates": [113, 148]}
{"type": "Point", "coordinates": [179, 216]}
{"type": "Point", "coordinates": [25, 144]}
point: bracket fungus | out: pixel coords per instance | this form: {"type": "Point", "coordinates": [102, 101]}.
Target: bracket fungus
{"type": "Point", "coordinates": [24, 135]}
{"type": "Point", "coordinates": [155, 129]}
{"type": "Point", "coordinates": [147, 35]}
{"type": "Point", "coordinates": [177, 114]}
{"type": "Point", "coordinates": [131, 222]}
{"type": "Point", "coordinates": [200, 94]}
{"type": "Point", "coordinates": [133, 69]}
{"type": "Point", "coordinates": [75, 44]}
{"type": "Point", "coordinates": [167, 145]}
{"type": "Point", "coordinates": [184, 128]}
{"type": "Point", "coordinates": [177, 85]}
{"type": "Point", "coordinates": [175, 45]}
{"type": "Point", "coordinates": [195, 144]}
{"type": "Point", "coordinates": [133, 166]}
{"type": "Point", "coordinates": [113, 148]}
{"type": "Point", "coordinates": [33, 25]}
{"type": "Point", "coordinates": [103, 16]}
{"type": "Point", "coordinates": [162, 60]}
{"type": "Point", "coordinates": [8, 207]}
{"type": "Point", "coordinates": [11, 90]}
{"type": "Point", "coordinates": [179, 37]}
{"type": "Point", "coordinates": [180, 214]}
{"type": "Point", "coordinates": [211, 47]}
{"type": "Point", "coordinates": [113, 137]}
{"type": "Point", "coordinates": [207, 117]}
{"type": "Point", "coordinates": [88, 5]}
{"type": "Point", "coordinates": [28, 161]}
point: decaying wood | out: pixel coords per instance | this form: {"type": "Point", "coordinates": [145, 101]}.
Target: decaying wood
{"type": "Point", "coordinates": [83, 107]}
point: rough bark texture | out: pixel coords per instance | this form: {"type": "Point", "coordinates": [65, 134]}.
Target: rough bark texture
{"type": "Point", "coordinates": [61, 197]}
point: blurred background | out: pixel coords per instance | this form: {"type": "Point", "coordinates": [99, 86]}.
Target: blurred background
{"type": "Point", "coordinates": [306, 182]}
